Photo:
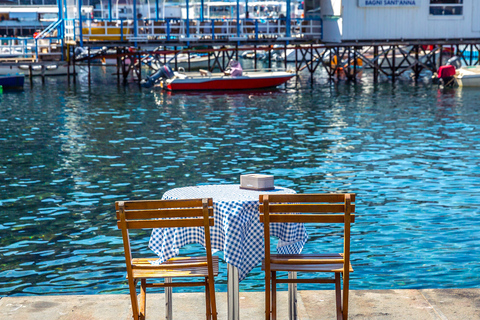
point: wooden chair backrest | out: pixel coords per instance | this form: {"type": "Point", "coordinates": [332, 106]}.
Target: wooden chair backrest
{"type": "Point", "coordinates": [321, 208]}
{"type": "Point", "coordinates": [148, 214]}
{"type": "Point", "coordinates": [308, 208]}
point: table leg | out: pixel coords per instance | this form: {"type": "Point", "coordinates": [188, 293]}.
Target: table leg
{"type": "Point", "coordinates": [292, 297]}
{"type": "Point", "coordinates": [168, 300]}
{"type": "Point", "coordinates": [233, 293]}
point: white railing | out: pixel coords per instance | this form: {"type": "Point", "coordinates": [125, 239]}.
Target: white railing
{"type": "Point", "coordinates": [29, 47]}
{"type": "Point", "coordinates": [171, 29]}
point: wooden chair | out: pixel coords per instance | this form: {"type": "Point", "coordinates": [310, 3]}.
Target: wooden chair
{"type": "Point", "coordinates": [168, 214]}
{"type": "Point", "coordinates": [307, 208]}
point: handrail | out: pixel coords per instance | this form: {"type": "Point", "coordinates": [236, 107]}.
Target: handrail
{"type": "Point", "coordinates": [192, 29]}
{"type": "Point", "coordinates": [48, 29]}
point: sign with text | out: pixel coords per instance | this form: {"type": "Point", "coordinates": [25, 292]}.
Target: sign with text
{"type": "Point", "coordinates": [388, 3]}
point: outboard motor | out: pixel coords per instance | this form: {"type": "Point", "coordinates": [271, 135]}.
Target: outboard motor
{"type": "Point", "coordinates": [81, 53]}
{"type": "Point", "coordinates": [165, 72]}
{"type": "Point", "coordinates": [445, 74]}
{"type": "Point", "coordinates": [455, 62]}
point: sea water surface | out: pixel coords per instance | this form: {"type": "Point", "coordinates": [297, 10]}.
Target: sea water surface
{"type": "Point", "coordinates": [411, 153]}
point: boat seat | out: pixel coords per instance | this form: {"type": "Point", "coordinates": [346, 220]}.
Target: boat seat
{"type": "Point", "coordinates": [205, 73]}
{"type": "Point", "coordinates": [180, 75]}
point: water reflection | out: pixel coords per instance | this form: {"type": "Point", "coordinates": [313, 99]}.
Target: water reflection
{"type": "Point", "coordinates": [411, 152]}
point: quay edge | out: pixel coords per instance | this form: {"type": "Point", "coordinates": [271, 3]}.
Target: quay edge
{"type": "Point", "coordinates": [412, 304]}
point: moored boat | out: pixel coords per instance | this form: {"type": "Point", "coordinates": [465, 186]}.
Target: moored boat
{"type": "Point", "coordinates": [37, 69]}
{"type": "Point", "coordinates": [468, 76]}
{"type": "Point", "coordinates": [12, 81]}
{"type": "Point", "coordinates": [219, 81]}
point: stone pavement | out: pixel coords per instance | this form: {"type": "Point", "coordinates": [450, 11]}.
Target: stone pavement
{"type": "Point", "coordinates": [411, 304]}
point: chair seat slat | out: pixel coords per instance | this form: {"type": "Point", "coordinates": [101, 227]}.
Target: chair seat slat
{"type": "Point", "coordinates": [306, 208]}
{"type": "Point", "coordinates": [174, 223]}
{"type": "Point", "coordinates": [306, 261]}
{"type": "Point", "coordinates": [308, 197]}
{"type": "Point", "coordinates": [306, 218]}
{"type": "Point", "coordinates": [156, 204]}
{"type": "Point", "coordinates": [164, 213]}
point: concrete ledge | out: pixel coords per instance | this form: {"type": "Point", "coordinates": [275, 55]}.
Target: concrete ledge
{"type": "Point", "coordinates": [444, 304]}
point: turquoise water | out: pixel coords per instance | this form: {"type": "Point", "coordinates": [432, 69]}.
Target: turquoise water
{"type": "Point", "coordinates": [410, 152]}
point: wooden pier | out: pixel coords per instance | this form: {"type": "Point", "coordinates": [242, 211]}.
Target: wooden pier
{"type": "Point", "coordinates": [388, 59]}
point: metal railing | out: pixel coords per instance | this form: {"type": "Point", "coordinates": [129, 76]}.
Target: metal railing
{"type": "Point", "coordinates": [190, 30]}
{"type": "Point", "coordinates": [29, 47]}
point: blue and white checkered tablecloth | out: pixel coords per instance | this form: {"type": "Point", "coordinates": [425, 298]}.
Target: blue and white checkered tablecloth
{"type": "Point", "coordinates": [237, 231]}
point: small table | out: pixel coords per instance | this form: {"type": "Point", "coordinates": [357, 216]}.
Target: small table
{"type": "Point", "coordinates": [237, 232]}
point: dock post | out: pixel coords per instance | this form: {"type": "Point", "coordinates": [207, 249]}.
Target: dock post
{"type": "Point", "coordinates": [417, 68]}
{"type": "Point", "coordinates": [140, 69]}
{"type": "Point", "coordinates": [270, 57]}
{"type": "Point", "coordinates": [471, 54]}
{"type": "Point", "coordinates": [118, 65]}
{"type": "Point", "coordinates": [68, 64]}
{"type": "Point", "coordinates": [223, 58]}
{"type": "Point", "coordinates": [393, 64]}
{"type": "Point", "coordinates": [236, 51]}
{"type": "Point", "coordinates": [296, 59]}
{"type": "Point", "coordinates": [255, 56]}
{"type": "Point", "coordinates": [346, 67]}
{"type": "Point", "coordinates": [311, 61]}
{"type": "Point", "coordinates": [30, 73]}
{"type": "Point", "coordinates": [285, 55]}
{"type": "Point", "coordinates": [43, 73]}
{"type": "Point", "coordinates": [354, 64]}
{"type": "Point", "coordinates": [176, 64]}
{"type": "Point", "coordinates": [124, 64]}
{"type": "Point", "coordinates": [209, 64]}
{"type": "Point", "coordinates": [441, 57]}
{"type": "Point", "coordinates": [375, 64]}
{"type": "Point", "coordinates": [88, 62]}
{"type": "Point", "coordinates": [74, 71]}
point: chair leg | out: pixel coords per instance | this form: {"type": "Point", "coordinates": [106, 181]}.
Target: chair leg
{"type": "Point", "coordinates": [346, 281]}
{"type": "Point", "coordinates": [274, 295]}
{"type": "Point", "coordinates": [168, 300]}
{"type": "Point", "coordinates": [338, 296]}
{"type": "Point", "coordinates": [267, 295]}
{"type": "Point", "coordinates": [143, 299]}
{"type": "Point", "coordinates": [213, 303]}
{"type": "Point", "coordinates": [207, 300]}
{"type": "Point", "coordinates": [133, 298]}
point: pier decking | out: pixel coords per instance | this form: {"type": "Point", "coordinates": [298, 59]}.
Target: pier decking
{"type": "Point", "coordinates": [412, 304]}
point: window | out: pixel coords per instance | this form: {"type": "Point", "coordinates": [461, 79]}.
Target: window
{"type": "Point", "coordinates": [446, 7]}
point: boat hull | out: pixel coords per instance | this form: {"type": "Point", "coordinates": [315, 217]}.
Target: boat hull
{"type": "Point", "coordinates": [222, 82]}
{"type": "Point", "coordinates": [468, 77]}
{"type": "Point", "coordinates": [12, 82]}
{"type": "Point", "coordinates": [49, 70]}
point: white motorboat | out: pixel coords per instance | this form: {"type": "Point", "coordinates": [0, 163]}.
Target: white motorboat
{"type": "Point", "coordinates": [37, 69]}
{"type": "Point", "coordinates": [468, 76]}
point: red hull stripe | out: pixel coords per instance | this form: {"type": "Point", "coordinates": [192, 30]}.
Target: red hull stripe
{"type": "Point", "coordinates": [229, 84]}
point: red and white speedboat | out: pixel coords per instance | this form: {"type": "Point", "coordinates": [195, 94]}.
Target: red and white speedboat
{"type": "Point", "coordinates": [204, 80]}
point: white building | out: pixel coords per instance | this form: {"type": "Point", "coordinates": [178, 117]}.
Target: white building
{"type": "Point", "coordinates": [351, 20]}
